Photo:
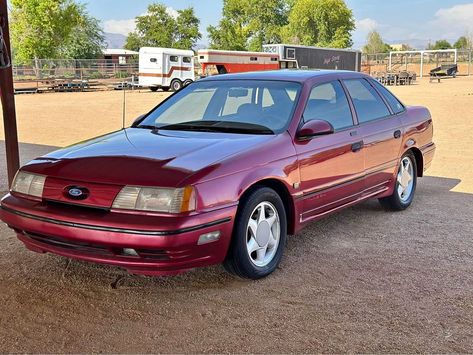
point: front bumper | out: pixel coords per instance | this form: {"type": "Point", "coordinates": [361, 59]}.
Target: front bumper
{"type": "Point", "coordinates": [164, 245]}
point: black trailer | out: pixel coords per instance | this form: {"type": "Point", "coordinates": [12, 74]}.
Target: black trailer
{"type": "Point", "coordinates": [303, 57]}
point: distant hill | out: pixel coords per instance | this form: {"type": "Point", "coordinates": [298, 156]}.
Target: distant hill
{"type": "Point", "coordinates": [114, 40]}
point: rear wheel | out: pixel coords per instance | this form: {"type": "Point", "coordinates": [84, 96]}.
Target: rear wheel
{"type": "Point", "coordinates": [153, 88]}
{"type": "Point", "coordinates": [259, 235]}
{"type": "Point", "coordinates": [176, 85]}
{"type": "Point", "coordinates": [165, 88]}
{"type": "Point", "coordinates": [405, 186]}
{"type": "Point", "coordinates": [187, 82]}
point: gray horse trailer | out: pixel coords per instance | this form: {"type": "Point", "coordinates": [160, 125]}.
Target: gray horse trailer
{"type": "Point", "coordinates": [304, 57]}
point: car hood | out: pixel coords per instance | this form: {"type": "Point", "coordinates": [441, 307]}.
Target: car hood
{"type": "Point", "coordinates": [143, 157]}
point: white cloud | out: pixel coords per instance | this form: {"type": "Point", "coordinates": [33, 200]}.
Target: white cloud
{"type": "Point", "coordinates": [366, 24]}
{"type": "Point", "coordinates": [172, 12]}
{"type": "Point", "coordinates": [452, 22]}
{"type": "Point", "coordinates": [124, 27]}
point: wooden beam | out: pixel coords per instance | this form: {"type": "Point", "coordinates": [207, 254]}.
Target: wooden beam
{"type": "Point", "coordinates": [8, 101]}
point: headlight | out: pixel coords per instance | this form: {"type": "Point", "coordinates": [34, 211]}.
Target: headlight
{"type": "Point", "coordinates": [156, 199]}
{"type": "Point", "coordinates": [29, 184]}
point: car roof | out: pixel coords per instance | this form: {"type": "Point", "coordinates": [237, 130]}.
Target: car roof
{"type": "Point", "coordinates": [287, 75]}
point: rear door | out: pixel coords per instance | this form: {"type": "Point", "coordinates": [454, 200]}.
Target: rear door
{"type": "Point", "coordinates": [331, 166]}
{"type": "Point", "coordinates": [379, 126]}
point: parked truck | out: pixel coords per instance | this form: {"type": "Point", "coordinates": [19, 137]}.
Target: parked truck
{"type": "Point", "coordinates": [166, 68]}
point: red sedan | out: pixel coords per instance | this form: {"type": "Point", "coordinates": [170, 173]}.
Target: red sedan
{"type": "Point", "coordinates": [222, 172]}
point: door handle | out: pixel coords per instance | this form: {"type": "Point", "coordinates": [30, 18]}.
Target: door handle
{"type": "Point", "coordinates": [356, 147]}
{"type": "Point", "coordinates": [397, 134]}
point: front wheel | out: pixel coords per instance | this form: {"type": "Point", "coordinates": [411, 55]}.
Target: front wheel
{"type": "Point", "coordinates": [405, 185]}
{"type": "Point", "coordinates": [259, 235]}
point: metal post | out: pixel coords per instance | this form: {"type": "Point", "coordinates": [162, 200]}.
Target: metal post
{"type": "Point", "coordinates": [390, 61]}
{"type": "Point", "coordinates": [8, 102]}
{"type": "Point", "coordinates": [421, 64]}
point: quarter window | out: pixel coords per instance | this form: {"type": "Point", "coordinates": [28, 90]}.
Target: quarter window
{"type": "Point", "coordinates": [392, 100]}
{"type": "Point", "coordinates": [368, 104]}
{"type": "Point", "coordinates": [328, 102]}
{"type": "Point", "coordinates": [174, 58]}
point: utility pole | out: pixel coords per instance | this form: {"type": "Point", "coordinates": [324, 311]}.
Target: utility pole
{"type": "Point", "coordinates": [7, 96]}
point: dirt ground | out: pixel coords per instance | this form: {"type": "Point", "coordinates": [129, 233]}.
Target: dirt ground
{"type": "Point", "coordinates": [362, 280]}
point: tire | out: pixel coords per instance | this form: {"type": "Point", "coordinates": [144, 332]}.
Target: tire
{"type": "Point", "coordinates": [253, 252]}
{"type": "Point", "coordinates": [153, 88]}
{"type": "Point", "coordinates": [176, 85]}
{"type": "Point", "coordinates": [165, 88]}
{"type": "Point", "coordinates": [399, 201]}
{"type": "Point", "coordinates": [187, 82]}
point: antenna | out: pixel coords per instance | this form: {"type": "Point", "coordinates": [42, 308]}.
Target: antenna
{"type": "Point", "coordinates": [124, 106]}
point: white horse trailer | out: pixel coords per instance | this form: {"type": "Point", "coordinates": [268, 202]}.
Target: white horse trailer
{"type": "Point", "coordinates": [166, 68]}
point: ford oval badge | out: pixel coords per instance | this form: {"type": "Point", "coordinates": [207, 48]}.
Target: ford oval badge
{"type": "Point", "coordinates": [76, 193]}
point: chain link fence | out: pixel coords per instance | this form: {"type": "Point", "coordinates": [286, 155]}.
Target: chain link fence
{"type": "Point", "coordinates": [50, 74]}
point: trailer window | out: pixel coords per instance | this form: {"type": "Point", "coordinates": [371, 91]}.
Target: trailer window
{"type": "Point", "coordinates": [153, 60]}
{"type": "Point", "coordinates": [174, 58]}
{"type": "Point", "coordinates": [253, 59]}
{"type": "Point", "coordinates": [291, 53]}
{"type": "Point", "coordinates": [187, 59]}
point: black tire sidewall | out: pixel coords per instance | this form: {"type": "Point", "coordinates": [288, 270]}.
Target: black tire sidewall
{"type": "Point", "coordinates": [174, 85]}
{"type": "Point", "coordinates": [238, 251]}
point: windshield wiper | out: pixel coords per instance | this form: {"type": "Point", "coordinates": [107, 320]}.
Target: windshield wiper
{"type": "Point", "coordinates": [146, 127]}
{"type": "Point", "coordinates": [218, 126]}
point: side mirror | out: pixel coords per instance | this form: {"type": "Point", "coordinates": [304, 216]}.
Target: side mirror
{"type": "Point", "coordinates": [314, 128]}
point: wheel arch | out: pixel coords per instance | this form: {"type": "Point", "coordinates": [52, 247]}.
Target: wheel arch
{"type": "Point", "coordinates": [281, 189]}
{"type": "Point", "coordinates": [419, 160]}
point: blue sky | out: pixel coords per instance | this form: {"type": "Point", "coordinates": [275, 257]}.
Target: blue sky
{"type": "Point", "coordinates": [401, 20]}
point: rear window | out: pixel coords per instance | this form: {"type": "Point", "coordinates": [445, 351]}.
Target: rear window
{"type": "Point", "coordinates": [395, 104]}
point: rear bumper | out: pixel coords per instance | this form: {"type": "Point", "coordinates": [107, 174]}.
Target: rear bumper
{"type": "Point", "coordinates": [163, 245]}
{"type": "Point", "coordinates": [428, 153]}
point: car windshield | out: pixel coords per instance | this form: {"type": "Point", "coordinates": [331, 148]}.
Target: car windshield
{"type": "Point", "coordinates": [232, 106]}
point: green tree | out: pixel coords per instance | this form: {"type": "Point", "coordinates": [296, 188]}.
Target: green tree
{"type": "Point", "coordinates": [249, 24]}
{"type": "Point", "coordinates": [464, 42]}
{"type": "Point", "coordinates": [46, 29]}
{"type": "Point", "coordinates": [375, 44]}
{"type": "Point", "coordinates": [160, 29]}
{"type": "Point", "coordinates": [440, 44]}
{"type": "Point", "coordinates": [40, 27]}
{"type": "Point", "coordinates": [87, 39]}
{"type": "Point", "coordinates": [325, 23]}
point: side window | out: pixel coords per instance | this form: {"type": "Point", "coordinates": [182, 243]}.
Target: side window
{"type": "Point", "coordinates": [174, 58]}
{"type": "Point", "coordinates": [368, 104]}
{"type": "Point", "coordinates": [390, 98]}
{"type": "Point", "coordinates": [328, 102]}
{"type": "Point", "coordinates": [186, 59]}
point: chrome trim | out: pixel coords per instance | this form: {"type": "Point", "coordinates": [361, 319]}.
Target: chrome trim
{"type": "Point", "coordinates": [115, 230]}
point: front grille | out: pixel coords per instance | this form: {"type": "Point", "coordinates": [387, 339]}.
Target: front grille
{"type": "Point", "coordinates": [98, 249]}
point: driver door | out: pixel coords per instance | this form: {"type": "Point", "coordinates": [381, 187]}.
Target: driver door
{"type": "Point", "coordinates": [331, 166]}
